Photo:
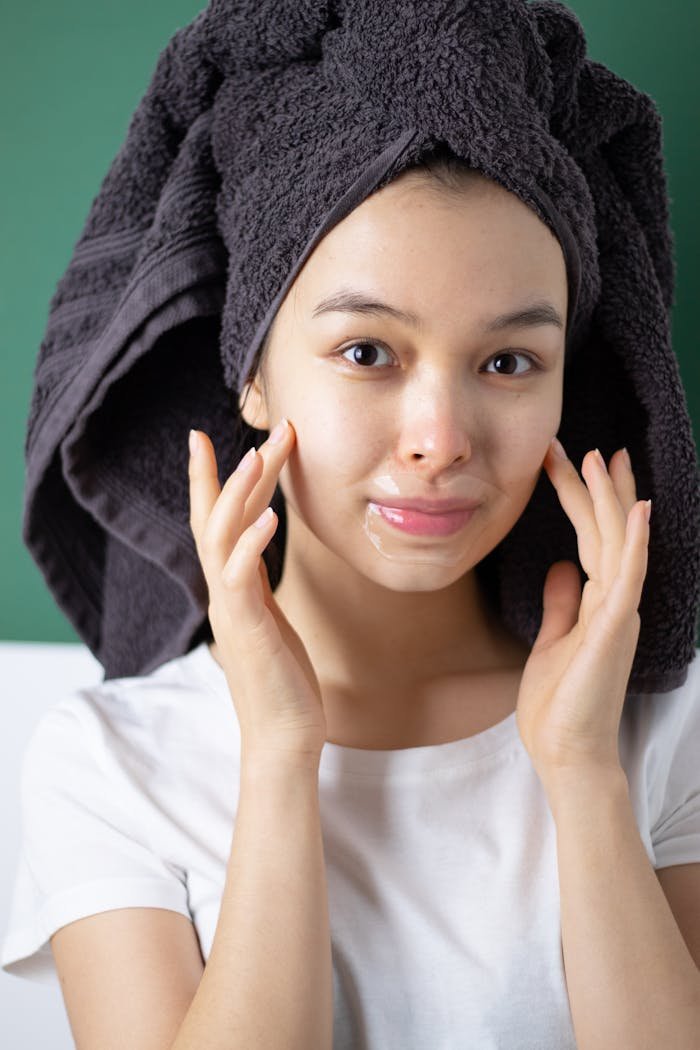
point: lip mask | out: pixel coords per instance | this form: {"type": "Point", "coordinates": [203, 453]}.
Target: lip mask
{"type": "Point", "coordinates": [388, 531]}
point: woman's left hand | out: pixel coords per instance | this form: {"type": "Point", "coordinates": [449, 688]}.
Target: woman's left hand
{"type": "Point", "coordinates": [575, 680]}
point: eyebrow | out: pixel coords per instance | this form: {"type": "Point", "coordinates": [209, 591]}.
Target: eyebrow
{"type": "Point", "coordinates": [348, 301]}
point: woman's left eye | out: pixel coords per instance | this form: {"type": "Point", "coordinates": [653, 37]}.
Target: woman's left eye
{"type": "Point", "coordinates": [503, 356]}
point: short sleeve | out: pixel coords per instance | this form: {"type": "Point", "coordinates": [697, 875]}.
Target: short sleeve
{"type": "Point", "coordinates": [675, 833]}
{"type": "Point", "coordinates": [88, 836]}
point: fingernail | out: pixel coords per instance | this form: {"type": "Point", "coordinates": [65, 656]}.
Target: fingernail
{"type": "Point", "coordinates": [558, 449]}
{"type": "Point", "coordinates": [277, 435]}
{"type": "Point", "coordinates": [262, 521]}
{"type": "Point", "coordinates": [626, 457]}
{"type": "Point", "coordinates": [648, 510]}
{"type": "Point", "coordinates": [599, 457]}
{"type": "Point", "coordinates": [247, 460]}
{"type": "Point", "coordinates": [194, 442]}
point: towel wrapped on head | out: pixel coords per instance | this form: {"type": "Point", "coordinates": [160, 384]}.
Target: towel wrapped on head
{"type": "Point", "coordinates": [263, 125]}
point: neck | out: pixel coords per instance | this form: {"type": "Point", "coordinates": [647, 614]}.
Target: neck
{"type": "Point", "coordinates": [361, 633]}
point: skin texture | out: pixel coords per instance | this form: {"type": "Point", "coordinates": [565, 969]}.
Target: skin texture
{"type": "Point", "coordinates": [393, 643]}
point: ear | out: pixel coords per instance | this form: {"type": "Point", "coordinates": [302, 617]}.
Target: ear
{"type": "Point", "coordinates": [251, 403]}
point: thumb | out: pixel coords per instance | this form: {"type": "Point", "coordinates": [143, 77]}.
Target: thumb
{"type": "Point", "coordinates": [561, 601]}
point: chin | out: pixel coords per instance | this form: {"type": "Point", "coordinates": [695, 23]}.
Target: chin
{"type": "Point", "coordinates": [411, 577]}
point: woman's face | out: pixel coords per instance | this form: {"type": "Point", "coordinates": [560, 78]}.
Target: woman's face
{"type": "Point", "coordinates": [442, 407]}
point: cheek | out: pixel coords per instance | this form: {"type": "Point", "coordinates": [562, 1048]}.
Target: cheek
{"type": "Point", "coordinates": [517, 451]}
{"type": "Point", "coordinates": [332, 452]}
{"type": "Point", "coordinates": [527, 429]}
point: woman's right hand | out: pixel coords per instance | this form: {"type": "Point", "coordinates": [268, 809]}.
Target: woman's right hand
{"type": "Point", "coordinates": [272, 682]}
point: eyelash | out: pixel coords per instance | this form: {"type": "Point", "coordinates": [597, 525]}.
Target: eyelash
{"type": "Point", "coordinates": [535, 367]}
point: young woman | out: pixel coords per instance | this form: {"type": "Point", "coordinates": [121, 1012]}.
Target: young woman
{"type": "Point", "coordinates": [365, 813]}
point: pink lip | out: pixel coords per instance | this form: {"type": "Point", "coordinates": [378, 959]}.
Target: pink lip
{"type": "Point", "coordinates": [429, 506]}
{"type": "Point", "coordinates": [418, 523]}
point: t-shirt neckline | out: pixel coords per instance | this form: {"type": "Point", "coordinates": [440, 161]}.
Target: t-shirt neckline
{"type": "Point", "coordinates": [399, 762]}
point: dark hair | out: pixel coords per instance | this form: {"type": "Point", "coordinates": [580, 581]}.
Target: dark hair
{"type": "Point", "coordinates": [444, 170]}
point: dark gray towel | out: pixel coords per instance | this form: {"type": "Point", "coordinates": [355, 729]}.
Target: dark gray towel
{"type": "Point", "coordinates": [264, 123]}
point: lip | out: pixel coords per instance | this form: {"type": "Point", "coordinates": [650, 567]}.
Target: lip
{"type": "Point", "coordinates": [419, 523]}
{"type": "Point", "coordinates": [428, 506]}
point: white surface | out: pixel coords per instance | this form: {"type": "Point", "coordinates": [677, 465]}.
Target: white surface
{"type": "Point", "coordinates": [34, 676]}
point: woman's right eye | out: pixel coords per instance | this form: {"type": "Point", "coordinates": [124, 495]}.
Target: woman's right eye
{"type": "Point", "coordinates": [360, 350]}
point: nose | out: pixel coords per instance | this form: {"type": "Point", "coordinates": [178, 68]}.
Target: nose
{"type": "Point", "coordinates": [436, 433]}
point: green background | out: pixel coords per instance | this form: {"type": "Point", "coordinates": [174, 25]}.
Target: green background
{"type": "Point", "coordinates": [72, 74]}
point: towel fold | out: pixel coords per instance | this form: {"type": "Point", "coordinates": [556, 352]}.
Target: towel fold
{"type": "Point", "coordinates": [263, 125]}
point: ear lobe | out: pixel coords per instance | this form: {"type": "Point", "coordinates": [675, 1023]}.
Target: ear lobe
{"type": "Point", "coordinates": [252, 406]}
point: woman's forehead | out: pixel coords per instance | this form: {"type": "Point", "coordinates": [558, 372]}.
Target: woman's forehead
{"type": "Point", "coordinates": [484, 251]}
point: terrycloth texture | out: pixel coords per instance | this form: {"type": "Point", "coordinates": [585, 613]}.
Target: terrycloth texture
{"type": "Point", "coordinates": [264, 124]}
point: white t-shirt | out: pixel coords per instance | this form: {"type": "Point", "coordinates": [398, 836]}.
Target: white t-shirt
{"type": "Point", "coordinates": [441, 860]}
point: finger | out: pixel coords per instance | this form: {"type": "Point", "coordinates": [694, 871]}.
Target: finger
{"type": "Point", "coordinates": [623, 598]}
{"type": "Point", "coordinates": [265, 578]}
{"type": "Point", "coordinates": [205, 502]}
{"type": "Point", "coordinates": [561, 600]}
{"type": "Point", "coordinates": [226, 519]}
{"type": "Point", "coordinates": [578, 505]}
{"type": "Point", "coordinates": [274, 453]}
{"type": "Point", "coordinates": [609, 513]}
{"type": "Point", "coordinates": [204, 486]}
{"type": "Point", "coordinates": [241, 579]}
{"type": "Point", "coordinates": [248, 491]}
{"type": "Point", "coordinates": [635, 555]}
{"type": "Point", "coordinates": [621, 472]}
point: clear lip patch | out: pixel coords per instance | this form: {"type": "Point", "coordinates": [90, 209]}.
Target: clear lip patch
{"type": "Point", "coordinates": [398, 545]}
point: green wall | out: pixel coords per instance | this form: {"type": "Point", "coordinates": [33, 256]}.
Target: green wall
{"type": "Point", "coordinates": [72, 74]}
